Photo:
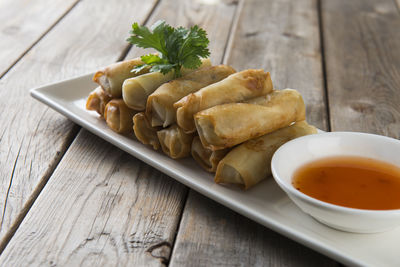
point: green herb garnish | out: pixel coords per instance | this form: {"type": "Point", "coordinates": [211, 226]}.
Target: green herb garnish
{"type": "Point", "coordinates": [178, 47]}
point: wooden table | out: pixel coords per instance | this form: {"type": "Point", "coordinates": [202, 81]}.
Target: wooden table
{"type": "Point", "coordinates": [69, 198]}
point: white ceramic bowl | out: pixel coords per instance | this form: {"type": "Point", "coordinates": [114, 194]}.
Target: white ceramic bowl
{"type": "Point", "coordinates": [289, 157]}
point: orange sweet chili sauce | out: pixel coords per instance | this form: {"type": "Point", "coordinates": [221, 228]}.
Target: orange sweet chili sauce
{"type": "Point", "coordinates": [354, 182]}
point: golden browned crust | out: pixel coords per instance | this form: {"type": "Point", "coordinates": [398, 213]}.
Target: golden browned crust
{"type": "Point", "coordinates": [206, 158]}
{"type": "Point", "coordinates": [237, 87]}
{"type": "Point", "coordinates": [118, 116]}
{"type": "Point", "coordinates": [227, 125]}
{"type": "Point", "coordinates": [249, 163]}
{"type": "Point", "coordinates": [144, 132]}
{"type": "Point", "coordinates": [175, 142]}
{"type": "Point", "coordinates": [111, 77]}
{"type": "Point", "coordinates": [97, 101]}
{"type": "Point", "coordinates": [160, 104]}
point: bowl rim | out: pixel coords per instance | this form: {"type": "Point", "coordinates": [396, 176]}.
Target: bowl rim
{"type": "Point", "coordinates": [290, 190]}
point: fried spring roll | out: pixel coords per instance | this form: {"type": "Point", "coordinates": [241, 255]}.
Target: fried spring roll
{"type": "Point", "coordinates": [136, 90]}
{"type": "Point", "coordinates": [111, 77]}
{"type": "Point", "coordinates": [227, 125]}
{"type": "Point", "coordinates": [118, 116]}
{"type": "Point", "coordinates": [207, 158]}
{"type": "Point", "coordinates": [144, 132]}
{"type": "Point", "coordinates": [159, 107]}
{"type": "Point", "coordinates": [250, 162]}
{"type": "Point", "coordinates": [235, 88]}
{"type": "Point", "coordinates": [175, 142]}
{"type": "Point", "coordinates": [97, 101]}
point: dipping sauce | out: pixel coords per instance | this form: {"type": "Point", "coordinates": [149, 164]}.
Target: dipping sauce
{"type": "Point", "coordinates": [353, 182]}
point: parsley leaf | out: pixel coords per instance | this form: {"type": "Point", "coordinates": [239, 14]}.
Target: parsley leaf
{"type": "Point", "coordinates": [178, 47]}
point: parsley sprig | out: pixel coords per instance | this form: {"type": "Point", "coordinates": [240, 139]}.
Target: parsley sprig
{"type": "Point", "coordinates": [177, 47]}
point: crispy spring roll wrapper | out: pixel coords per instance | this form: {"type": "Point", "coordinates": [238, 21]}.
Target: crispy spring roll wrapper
{"type": "Point", "coordinates": [160, 104]}
{"type": "Point", "coordinates": [250, 162]}
{"type": "Point", "coordinates": [136, 90]}
{"type": "Point", "coordinates": [207, 158]}
{"type": "Point", "coordinates": [144, 132]}
{"type": "Point", "coordinates": [237, 87]}
{"type": "Point", "coordinates": [227, 125]}
{"type": "Point", "coordinates": [111, 77]}
{"type": "Point", "coordinates": [175, 142]}
{"type": "Point", "coordinates": [97, 101]}
{"type": "Point", "coordinates": [118, 116]}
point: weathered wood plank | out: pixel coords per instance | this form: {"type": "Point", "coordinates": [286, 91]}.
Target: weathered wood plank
{"type": "Point", "coordinates": [362, 41]}
{"type": "Point", "coordinates": [215, 236]}
{"type": "Point", "coordinates": [33, 138]}
{"type": "Point", "coordinates": [23, 23]}
{"type": "Point", "coordinates": [101, 207]}
{"type": "Point", "coordinates": [108, 223]}
{"type": "Point", "coordinates": [282, 37]}
{"type": "Point", "coordinates": [205, 13]}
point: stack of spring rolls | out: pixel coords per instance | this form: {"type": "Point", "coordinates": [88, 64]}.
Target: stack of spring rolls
{"type": "Point", "coordinates": [230, 122]}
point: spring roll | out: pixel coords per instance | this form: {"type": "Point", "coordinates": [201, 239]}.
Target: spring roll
{"type": "Point", "coordinates": [111, 77]}
{"type": "Point", "coordinates": [159, 107]}
{"type": "Point", "coordinates": [236, 88]}
{"type": "Point", "coordinates": [175, 142]}
{"type": "Point", "coordinates": [207, 158]}
{"type": "Point", "coordinates": [97, 101]}
{"type": "Point", "coordinates": [144, 132]}
{"type": "Point", "coordinates": [250, 162]}
{"type": "Point", "coordinates": [227, 125]}
{"type": "Point", "coordinates": [118, 116]}
{"type": "Point", "coordinates": [136, 90]}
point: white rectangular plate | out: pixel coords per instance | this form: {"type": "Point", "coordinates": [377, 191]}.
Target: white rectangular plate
{"type": "Point", "coordinates": [266, 203]}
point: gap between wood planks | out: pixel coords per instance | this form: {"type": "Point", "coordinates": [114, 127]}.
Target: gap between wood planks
{"type": "Point", "coordinates": [323, 63]}
{"type": "Point", "coordinates": [232, 30]}
{"type": "Point", "coordinates": [71, 136]}
{"type": "Point", "coordinates": [35, 42]}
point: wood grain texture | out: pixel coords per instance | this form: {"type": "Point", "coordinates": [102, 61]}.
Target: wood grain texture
{"type": "Point", "coordinates": [101, 207]}
{"type": "Point", "coordinates": [283, 38]}
{"type": "Point", "coordinates": [146, 203]}
{"type": "Point", "coordinates": [214, 16]}
{"type": "Point", "coordinates": [215, 236]}
{"type": "Point", "coordinates": [33, 138]}
{"type": "Point", "coordinates": [23, 23]}
{"type": "Point", "coordinates": [362, 40]}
